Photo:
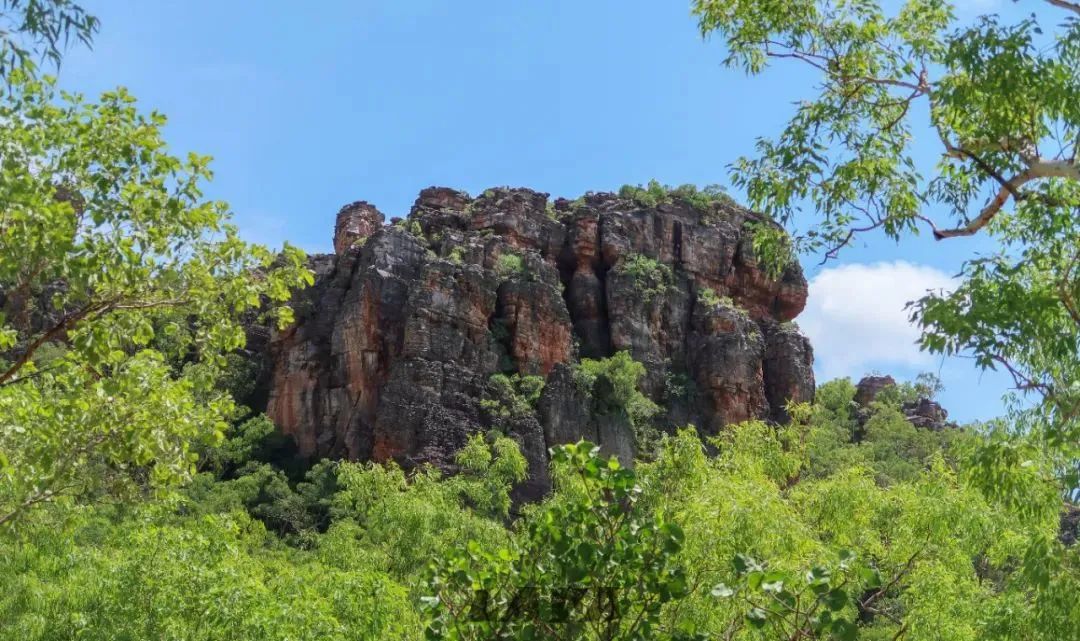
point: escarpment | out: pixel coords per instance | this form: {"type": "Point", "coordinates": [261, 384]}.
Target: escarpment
{"type": "Point", "coordinates": [394, 348]}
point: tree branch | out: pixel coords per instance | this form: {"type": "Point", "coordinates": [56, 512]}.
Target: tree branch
{"type": "Point", "coordinates": [901, 573]}
{"type": "Point", "coordinates": [70, 319]}
{"type": "Point", "coordinates": [40, 497]}
{"type": "Point", "coordinates": [1037, 170]}
{"type": "Point", "coordinates": [1067, 5]}
{"type": "Point", "coordinates": [55, 331]}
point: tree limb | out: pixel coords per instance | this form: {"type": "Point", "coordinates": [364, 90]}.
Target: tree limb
{"type": "Point", "coordinates": [868, 601]}
{"type": "Point", "coordinates": [1041, 168]}
{"type": "Point", "coordinates": [56, 330]}
{"type": "Point", "coordinates": [1068, 5]}
{"type": "Point", "coordinates": [70, 319]}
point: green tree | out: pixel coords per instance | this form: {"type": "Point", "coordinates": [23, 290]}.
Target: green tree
{"type": "Point", "coordinates": [1003, 101]}
{"type": "Point", "coordinates": [591, 565]}
{"type": "Point", "coordinates": [377, 504]}
{"type": "Point", "coordinates": [109, 250]}
{"type": "Point", "coordinates": [215, 577]}
{"type": "Point", "coordinates": [624, 374]}
{"type": "Point", "coordinates": [773, 553]}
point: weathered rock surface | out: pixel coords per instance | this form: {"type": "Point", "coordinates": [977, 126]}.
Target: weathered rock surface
{"type": "Point", "coordinates": [867, 389]}
{"type": "Point", "coordinates": [394, 346]}
{"type": "Point", "coordinates": [927, 414]}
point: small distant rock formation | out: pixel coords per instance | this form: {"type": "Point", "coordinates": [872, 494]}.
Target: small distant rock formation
{"type": "Point", "coordinates": [927, 414]}
{"type": "Point", "coordinates": [395, 344]}
{"type": "Point", "coordinates": [924, 413]}
{"type": "Point", "coordinates": [867, 389]}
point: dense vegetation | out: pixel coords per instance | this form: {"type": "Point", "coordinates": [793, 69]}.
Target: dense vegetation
{"type": "Point", "coordinates": [822, 528]}
{"type": "Point", "coordinates": [139, 501]}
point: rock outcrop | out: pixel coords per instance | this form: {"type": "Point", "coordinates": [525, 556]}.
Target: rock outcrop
{"type": "Point", "coordinates": [395, 344]}
{"type": "Point", "coordinates": [868, 387]}
{"type": "Point", "coordinates": [921, 412]}
{"type": "Point", "coordinates": [927, 414]}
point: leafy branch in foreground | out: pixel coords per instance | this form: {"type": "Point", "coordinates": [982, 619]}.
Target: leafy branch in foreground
{"type": "Point", "coordinates": [1001, 101]}
{"type": "Point", "coordinates": [816, 605]}
{"type": "Point", "coordinates": [111, 260]}
{"type": "Point", "coordinates": [33, 30]}
{"type": "Point", "coordinates": [595, 566]}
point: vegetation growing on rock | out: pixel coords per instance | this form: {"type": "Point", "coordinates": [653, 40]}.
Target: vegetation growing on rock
{"type": "Point", "coordinates": [651, 277]}
{"type": "Point", "coordinates": [622, 376]}
{"type": "Point", "coordinates": [654, 193]}
{"type": "Point", "coordinates": [509, 265]}
{"type": "Point", "coordinates": [513, 396]}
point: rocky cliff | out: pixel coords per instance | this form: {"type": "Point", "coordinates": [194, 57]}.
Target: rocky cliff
{"type": "Point", "coordinates": [394, 347]}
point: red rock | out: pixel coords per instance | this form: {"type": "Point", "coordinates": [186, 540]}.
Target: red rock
{"type": "Point", "coordinates": [394, 346]}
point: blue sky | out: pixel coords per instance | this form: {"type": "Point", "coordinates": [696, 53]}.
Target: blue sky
{"type": "Point", "coordinates": [307, 106]}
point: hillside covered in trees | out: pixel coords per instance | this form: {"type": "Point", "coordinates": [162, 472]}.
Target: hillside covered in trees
{"type": "Point", "coordinates": [849, 521]}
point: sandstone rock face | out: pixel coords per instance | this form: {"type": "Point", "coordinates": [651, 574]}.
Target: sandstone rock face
{"type": "Point", "coordinates": [354, 223]}
{"type": "Point", "coordinates": [395, 345]}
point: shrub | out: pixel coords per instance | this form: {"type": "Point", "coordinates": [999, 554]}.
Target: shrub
{"type": "Point", "coordinates": [513, 396]}
{"type": "Point", "coordinates": [707, 297]}
{"type": "Point", "coordinates": [410, 226]}
{"type": "Point", "coordinates": [650, 195]}
{"type": "Point", "coordinates": [702, 198]}
{"type": "Point", "coordinates": [773, 246]}
{"type": "Point", "coordinates": [710, 299]}
{"type": "Point", "coordinates": [624, 373]}
{"type": "Point", "coordinates": [656, 193]}
{"type": "Point", "coordinates": [678, 385]}
{"type": "Point", "coordinates": [457, 255]}
{"type": "Point", "coordinates": [509, 265]}
{"type": "Point", "coordinates": [651, 277]}
{"type": "Point", "coordinates": [551, 212]}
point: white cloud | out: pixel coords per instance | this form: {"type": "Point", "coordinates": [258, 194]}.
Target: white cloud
{"type": "Point", "coordinates": [856, 320]}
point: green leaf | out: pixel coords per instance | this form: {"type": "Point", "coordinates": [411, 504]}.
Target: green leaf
{"type": "Point", "coordinates": [871, 578]}
{"type": "Point", "coordinates": [835, 599]}
{"type": "Point", "coordinates": [844, 630]}
{"type": "Point", "coordinates": [757, 617]}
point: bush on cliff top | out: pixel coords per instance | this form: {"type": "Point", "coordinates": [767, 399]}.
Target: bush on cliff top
{"type": "Point", "coordinates": [656, 193]}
